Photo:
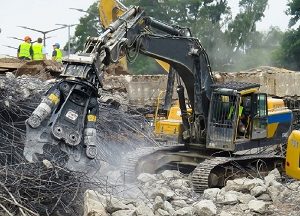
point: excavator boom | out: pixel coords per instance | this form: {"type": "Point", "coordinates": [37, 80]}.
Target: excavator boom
{"type": "Point", "coordinates": [109, 11]}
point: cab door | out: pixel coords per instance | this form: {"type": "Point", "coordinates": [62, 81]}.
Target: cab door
{"type": "Point", "coordinates": [259, 116]}
{"type": "Point", "coordinates": [222, 120]}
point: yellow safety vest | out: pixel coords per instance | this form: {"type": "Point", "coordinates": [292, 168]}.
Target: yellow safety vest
{"type": "Point", "coordinates": [231, 111]}
{"type": "Point", "coordinates": [37, 49]}
{"type": "Point", "coordinates": [25, 50]}
{"type": "Point", "coordinates": [59, 55]}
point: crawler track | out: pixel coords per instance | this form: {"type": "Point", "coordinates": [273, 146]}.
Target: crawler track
{"type": "Point", "coordinates": [144, 160]}
{"type": "Point", "coordinates": [201, 177]}
{"type": "Point", "coordinates": [209, 171]}
{"type": "Point", "coordinates": [131, 161]}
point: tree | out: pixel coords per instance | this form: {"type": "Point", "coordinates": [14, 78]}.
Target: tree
{"type": "Point", "coordinates": [288, 54]}
{"type": "Point", "coordinates": [89, 26]}
{"type": "Point", "coordinates": [227, 41]}
{"type": "Point", "coordinates": [145, 65]}
{"type": "Point", "coordinates": [204, 17]}
{"type": "Point", "coordinates": [263, 46]}
{"type": "Point", "coordinates": [294, 11]}
{"type": "Point", "coordinates": [163, 11]}
{"type": "Point", "coordinates": [243, 26]}
{"type": "Point", "coordinates": [208, 20]}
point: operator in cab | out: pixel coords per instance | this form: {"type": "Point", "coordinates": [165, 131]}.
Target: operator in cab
{"type": "Point", "coordinates": [25, 49]}
{"type": "Point", "coordinates": [241, 118]}
{"type": "Point", "coordinates": [57, 53]}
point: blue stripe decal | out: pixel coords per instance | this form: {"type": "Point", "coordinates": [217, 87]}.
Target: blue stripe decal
{"type": "Point", "coordinates": [279, 118]}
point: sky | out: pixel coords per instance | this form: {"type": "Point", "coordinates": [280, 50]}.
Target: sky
{"type": "Point", "coordinates": [44, 14]}
{"type": "Point", "coordinates": [274, 14]}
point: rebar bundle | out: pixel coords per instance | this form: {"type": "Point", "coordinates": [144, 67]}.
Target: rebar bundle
{"type": "Point", "coordinates": [43, 188]}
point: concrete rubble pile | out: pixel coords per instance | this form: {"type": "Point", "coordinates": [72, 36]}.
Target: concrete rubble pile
{"type": "Point", "coordinates": [29, 188]}
{"type": "Point", "coordinates": [119, 127]}
{"type": "Point", "coordinates": [44, 69]}
{"type": "Point", "coordinates": [170, 193]}
{"type": "Point", "coordinates": [44, 189]}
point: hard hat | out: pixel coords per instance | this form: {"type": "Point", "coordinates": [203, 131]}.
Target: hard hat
{"type": "Point", "coordinates": [27, 38]}
{"type": "Point", "coordinates": [57, 45]}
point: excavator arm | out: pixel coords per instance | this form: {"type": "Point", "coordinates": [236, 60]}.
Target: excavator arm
{"type": "Point", "coordinates": [185, 54]}
{"type": "Point", "coordinates": [65, 120]}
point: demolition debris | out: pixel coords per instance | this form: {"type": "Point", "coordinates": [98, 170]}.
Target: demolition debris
{"type": "Point", "coordinates": [43, 188]}
{"type": "Point", "coordinates": [46, 189]}
{"type": "Point", "coordinates": [171, 193]}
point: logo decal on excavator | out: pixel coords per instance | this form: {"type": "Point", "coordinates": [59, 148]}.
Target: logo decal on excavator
{"type": "Point", "coordinates": [72, 115]}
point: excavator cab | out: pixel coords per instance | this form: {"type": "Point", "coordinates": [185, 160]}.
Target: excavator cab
{"type": "Point", "coordinates": [222, 122]}
{"type": "Point", "coordinates": [238, 117]}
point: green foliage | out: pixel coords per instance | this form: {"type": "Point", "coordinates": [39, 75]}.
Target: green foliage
{"type": "Point", "coordinates": [205, 18]}
{"type": "Point", "coordinates": [206, 22]}
{"type": "Point", "coordinates": [294, 11]}
{"type": "Point", "coordinates": [288, 54]}
{"type": "Point", "coordinates": [228, 48]}
{"type": "Point", "coordinates": [89, 25]}
{"type": "Point", "coordinates": [231, 43]}
{"type": "Point", "coordinates": [145, 65]}
{"type": "Point", "coordinates": [165, 12]}
{"type": "Point", "coordinates": [182, 13]}
{"type": "Point", "coordinates": [241, 29]}
{"type": "Point", "coordinates": [263, 46]}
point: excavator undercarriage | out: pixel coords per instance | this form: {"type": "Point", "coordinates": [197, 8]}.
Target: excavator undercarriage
{"type": "Point", "coordinates": [208, 169]}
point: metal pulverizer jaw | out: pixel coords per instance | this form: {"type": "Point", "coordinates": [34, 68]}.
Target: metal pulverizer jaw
{"type": "Point", "coordinates": [62, 129]}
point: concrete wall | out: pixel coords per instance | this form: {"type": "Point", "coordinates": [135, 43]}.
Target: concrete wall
{"type": "Point", "coordinates": [273, 81]}
{"type": "Point", "coordinates": [144, 89]}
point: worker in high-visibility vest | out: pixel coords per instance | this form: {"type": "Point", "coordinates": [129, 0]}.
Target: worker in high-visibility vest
{"type": "Point", "coordinates": [241, 126]}
{"type": "Point", "coordinates": [241, 108]}
{"type": "Point", "coordinates": [38, 49]}
{"type": "Point", "coordinates": [57, 53]}
{"type": "Point", "coordinates": [25, 49]}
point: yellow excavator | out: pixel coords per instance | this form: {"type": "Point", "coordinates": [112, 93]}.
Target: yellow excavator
{"type": "Point", "coordinates": [172, 126]}
{"type": "Point", "coordinates": [292, 163]}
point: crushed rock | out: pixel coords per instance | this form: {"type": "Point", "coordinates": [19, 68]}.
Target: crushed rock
{"type": "Point", "coordinates": [246, 197]}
